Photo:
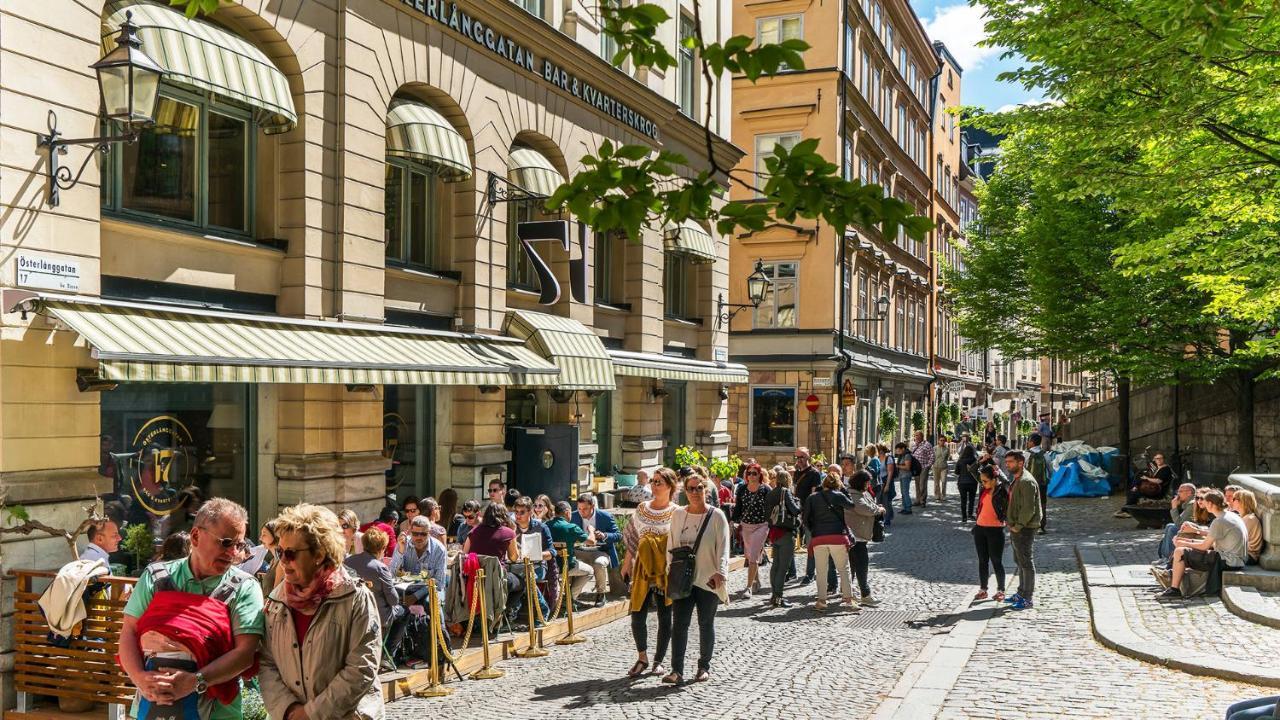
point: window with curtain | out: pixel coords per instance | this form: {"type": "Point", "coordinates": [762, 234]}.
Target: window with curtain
{"type": "Point", "coordinates": [911, 325]}
{"type": "Point", "coordinates": [193, 167]}
{"type": "Point", "coordinates": [900, 328]}
{"type": "Point", "coordinates": [863, 311]}
{"type": "Point", "coordinates": [779, 306]}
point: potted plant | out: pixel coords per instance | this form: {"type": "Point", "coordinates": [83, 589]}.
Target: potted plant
{"type": "Point", "coordinates": [688, 457]}
{"type": "Point", "coordinates": [917, 420]}
{"type": "Point", "coordinates": [141, 544]}
{"type": "Point", "coordinates": [888, 423]}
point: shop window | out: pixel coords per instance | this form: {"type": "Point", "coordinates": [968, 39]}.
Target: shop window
{"type": "Point", "coordinates": [610, 263]}
{"type": "Point", "coordinates": [520, 272]}
{"type": "Point", "coordinates": [193, 168]}
{"type": "Point", "coordinates": [408, 439]}
{"type": "Point", "coordinates": [415, 211]}
{"type": "Point", "coordinates": [162, 443]}
{"type": "Point", "coordinates": [773, 417]}
{"type": "Point", "coordinates": [679, 287]}
{"type": "Point", "coordinates": [779, 306]}
{"type": "Point", "coordinates": [674, 429]}
{"type": "Point", "coordinates": [688, 77]}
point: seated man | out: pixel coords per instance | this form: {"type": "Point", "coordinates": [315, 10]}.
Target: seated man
{"type": "Point", "coordinates": [1225, 541]}
{"type": "Point", "coordinates": [104, 539]}
{"type": "Point", "coordinates": [1181, 511]}
{"type": "Point", "coordinates": [465, 520]}
{"type": "Point", "coordinates": [564, 531]}
{"type": "Point", "coordinates": [600, 549]}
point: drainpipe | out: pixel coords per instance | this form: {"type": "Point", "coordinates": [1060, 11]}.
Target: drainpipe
{"type": "Point", "coordinates": [340, 161]}
{"type": "Point", "coordinates": [842, 254]}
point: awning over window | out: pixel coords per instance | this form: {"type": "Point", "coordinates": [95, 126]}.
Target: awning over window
{"type": "Point", "coordinates": [417, 132]}
{"type": "Point", "coordinates": [203, 55]}
{"type": "Point", "coordinates": [150, 343]}
{"type": "Point", "coordinates": [532, 171]}
{"type": "Point", "coordinates": [582, 359]}
{"type": "Point", "coordinates": [668, 367]}
{"type": "Point", "coordinates": [691, 240]}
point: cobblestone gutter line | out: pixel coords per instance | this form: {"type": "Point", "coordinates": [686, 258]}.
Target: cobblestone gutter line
{"type": "Point", "coordinates": [1124, 632]}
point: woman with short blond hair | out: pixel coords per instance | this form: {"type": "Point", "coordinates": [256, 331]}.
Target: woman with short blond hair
{"type": "Point", "coordinates": [321, 650]}
{"type": "Point", "coordinates": [1245, 503]}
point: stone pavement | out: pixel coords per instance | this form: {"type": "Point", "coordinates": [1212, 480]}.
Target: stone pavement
{"type": "Point", "coordinates": [977, 662]}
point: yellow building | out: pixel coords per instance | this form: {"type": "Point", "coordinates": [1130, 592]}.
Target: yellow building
{"type": "Point", "coordinates": [305, 281]}
{"type": "Point", "coordinates": [867, 94]}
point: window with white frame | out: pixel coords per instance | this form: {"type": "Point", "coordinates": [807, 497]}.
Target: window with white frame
{"type": "Point", "coordinates": [688, 77]}
{"type": "Point", "coordinates": [773, 417]}
{"type": "Point", "coordinates": [777, 29]}
{"type": "Point", "coordinates": [608, 45]}
{"type": "Point", "coordinates": [778, 309]}
{"type": "Point", "coordinates": [765, 145]}
{"type": "Point", "coordinates": [861, 328]}
{"type": "Point", "coordinates": [679, 286]}
{"type": "Point", "coordinates": [900, 328]}
{"type": "Point", "coordinates": [911, 325]}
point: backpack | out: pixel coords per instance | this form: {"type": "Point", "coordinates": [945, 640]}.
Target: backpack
{"type": "Point", "coordinates": [225, 592]}
{"type": "Point", "coordinates": [779, 516]}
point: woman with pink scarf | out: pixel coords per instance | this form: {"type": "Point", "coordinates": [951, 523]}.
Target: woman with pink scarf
{"type": "Point", "coordinates": [320, 656]}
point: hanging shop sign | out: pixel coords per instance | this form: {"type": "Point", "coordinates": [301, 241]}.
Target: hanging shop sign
{"type": "Point", "coordinates": [452, 15]}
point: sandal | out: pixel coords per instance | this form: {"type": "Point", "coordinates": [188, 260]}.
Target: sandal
{"type": "Point", "coordinates": [638, 669]}
{"type": "Point", "coordinates": [673, 679]}
{"type": "Point", "coordinates": [982, 595]}
{"type": "Point", "coordinates": [999, 597]}
{"type": "Point", "coordinates": [702, 676]}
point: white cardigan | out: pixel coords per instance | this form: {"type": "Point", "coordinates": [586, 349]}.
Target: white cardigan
{"type": "Point", "coordinates": [713, 552]}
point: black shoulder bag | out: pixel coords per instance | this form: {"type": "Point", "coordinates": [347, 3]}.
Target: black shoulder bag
{"type": "Point", "coordinates": [683, 565]}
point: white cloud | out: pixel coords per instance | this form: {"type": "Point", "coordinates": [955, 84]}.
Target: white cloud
{"type": "Point", "coordinates": [1029, 103]}
{"type": "Point", "coordinates": [960, 28]}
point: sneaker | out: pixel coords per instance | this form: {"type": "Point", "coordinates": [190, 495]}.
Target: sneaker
{"type": "Point", "coordinates": [1023, 604]}
{"type": "Point", "coordinates": [868, 601]}
{"type": "Point", "coordinates": [982, 595]}
{"type": "Point", "coordinates": [1122, 515]}
{"type": "Point", "coordinates": [805, 580]}
{"type": "Point", "coordinates": [820, 607]}
{"type": "Point", "coordinates": [1169, 593]}
{"type": "Point", "coordinates": [1013, 598]}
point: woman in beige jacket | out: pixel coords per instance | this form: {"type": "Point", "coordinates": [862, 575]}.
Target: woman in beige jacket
{"type": "Point", "coordinates": [320, 655]}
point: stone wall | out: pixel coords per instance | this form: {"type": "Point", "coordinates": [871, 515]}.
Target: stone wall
{"type": "Point", "coordinates": [1206, 422]}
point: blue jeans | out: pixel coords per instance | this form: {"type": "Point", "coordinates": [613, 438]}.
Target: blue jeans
{"type": "Point", "coordinates": [887, 500]}
{"type": "Point", "coordinates": [1255, 709]}
{"type": "Point", "coordinates": [904, 482]}
{"type": "Point", "coordinates": [1166, 542]}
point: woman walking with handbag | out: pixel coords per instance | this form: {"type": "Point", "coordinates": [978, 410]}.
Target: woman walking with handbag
{"type": "Point", "coordinates": [753, 522]}
{"type": "Point", "coordinates": [861, 520]}
{"type": "Point", "coordinates": [784, 518]}
{"type": "Point", "coordinates": [824, 516]}
{"type": "Point", "coordinates": [645, 565]}
{"type": "Point", "coordinates": [698, 558]}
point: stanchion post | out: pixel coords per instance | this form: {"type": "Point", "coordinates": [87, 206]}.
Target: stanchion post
{"type": "Point", "coordinates": [487, 671]}
{"type": "Point", "coordinates": [571, 638]}
{"type": "Point", "coordinates": [531, 597]}
{"type": "Point", "coordinates": [436, 688]}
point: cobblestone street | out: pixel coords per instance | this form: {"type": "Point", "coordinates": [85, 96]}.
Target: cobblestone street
{"type": "Point", "coordinates": [1042, 663]}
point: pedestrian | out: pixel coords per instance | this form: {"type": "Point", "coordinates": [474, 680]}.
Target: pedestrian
{"type": "Point", "coordinates": [807, 480]}
{"type": "Point", "coordinates": [1045, 430]}
{"type": "Point", "coordinates": [217, 540]}
{"type": "Point", "coordinates": [784, 518]}
{"type": "Point", "coordinates": [988, 531]}
{"type": "Point", "coordinates": [907, 471]}
{"type": "Point", "coordinates": [1038, 466]}
{"type": "Point", "coordinates": [322, 648]}
{"type": "Point", "coordinates": [861, 518]}
{"type": "Point", "coordinates": [752, 517]}
{"type": "Point", "coordinates": [999, 450]}
{"type": "Point", "coordinates": [966, 477]}
{"type": "Point", "coordinates": [705, 531]}
{"type": "Point", "coordinates": [871, 463]}
{"type": "Point", "coordinates": [989, 434]}
{"type": "Point", "coordinates": [923, 452]}
{"type": "Point", "coordinates": [941, 456]}
{"type": "Point", "coordinates": [829, 541]}
{"type": "Point", "coordinates": [645, 566]}
{"type": "Point", "coordinates": [848, 466]}
{"type": "Point", "coordinates": [888, 490]}
{"type": "Point", "coordinates": [1023, 518]}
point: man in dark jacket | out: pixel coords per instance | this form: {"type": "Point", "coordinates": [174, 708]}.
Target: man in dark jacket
{"type": "Point", "coordinates": [783, 510]}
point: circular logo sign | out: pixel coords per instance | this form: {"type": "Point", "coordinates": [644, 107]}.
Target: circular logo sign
{"type": "Point", "coordinates": [161, 464]}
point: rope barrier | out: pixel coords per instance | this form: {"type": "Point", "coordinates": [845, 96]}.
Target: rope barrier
{"type": "Point", "coordinates": [487, 671]}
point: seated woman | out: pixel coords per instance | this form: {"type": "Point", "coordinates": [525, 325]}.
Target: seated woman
{"type": "Point", "coordinates": [368, 566]}
{"type": "Point", "coordinates": [495, 537]}
{"type": "Point", "coordinates": [1245, 503]}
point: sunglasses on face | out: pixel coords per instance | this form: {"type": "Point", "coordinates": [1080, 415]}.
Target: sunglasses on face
{"type": "Point", "coordinates": [290, 554]}
{"type": "Point", "coordinates": [494, 490]}
{"type": "Point", "coordinates": [694, 488]}
{"type": "Point", "coordinates": [419, 534]}
{"type": "Point", "coordinates": [468, 516]}
{"type": "Point", "coordinates": [232, 544]}
{"type": "Point", "coordinates": [411, 511]}
{"type": "Point", "coordinates": [522, 512]}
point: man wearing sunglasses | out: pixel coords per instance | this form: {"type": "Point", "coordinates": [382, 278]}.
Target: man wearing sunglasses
{"type": "Point", "coordinates": [217, 544]}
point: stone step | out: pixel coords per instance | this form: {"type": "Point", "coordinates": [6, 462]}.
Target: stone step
{"type": "Point", "coordinates": [1257, 606]}
{"type": "Point", "coordinates": [1253, 577]}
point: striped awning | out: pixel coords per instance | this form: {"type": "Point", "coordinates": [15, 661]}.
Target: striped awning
{"type": "Point", "coordinates": [669, 367]}
{"type": "Point", "coordinates": [532, 172]}
{"type": "Point", "coordinates": [417, 132]}
{"type": "Point", "coordinates": [691, 240]}
{"type": "Point", "coordinates": [200, 54]}
{"type": "Point", "coordinates": [148, 343]}
{"type": "Point", "coordinates": [578, 352]}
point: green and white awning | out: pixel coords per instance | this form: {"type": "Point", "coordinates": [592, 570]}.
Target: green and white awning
{"type": "Point", "coordinates": [148, 343]}
{"type": "Point", "coordinates": [578, 352]}
{"type": "Point", "coordinates": [690, 239]}
{"type": "Point", "coordinates": [417, 132]}
{"type": "Point", "coordinates": [531, 171]}
{"type": "Point", "coordinates": [200, 54]}
{"type": "Point", "coordinates": [668, 367]}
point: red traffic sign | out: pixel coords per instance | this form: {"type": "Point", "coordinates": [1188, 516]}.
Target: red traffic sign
{"type": "Point", "coordinates": [811, 403]}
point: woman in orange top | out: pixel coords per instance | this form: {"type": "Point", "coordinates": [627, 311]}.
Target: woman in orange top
{"type": "Point", "coordinates": [988, 532]}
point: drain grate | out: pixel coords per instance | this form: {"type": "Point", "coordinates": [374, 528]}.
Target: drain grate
{"type": "Point", "coordinates": [883, 618]}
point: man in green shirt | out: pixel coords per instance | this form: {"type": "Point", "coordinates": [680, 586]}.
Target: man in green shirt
{"type": "Point", "coordinates": [217, 543]}
{"type": "Point", "coordinates": [564, 531]}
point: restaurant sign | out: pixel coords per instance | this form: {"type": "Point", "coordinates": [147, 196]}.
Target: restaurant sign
{"type": "Point", "coordinates": [452, 15]}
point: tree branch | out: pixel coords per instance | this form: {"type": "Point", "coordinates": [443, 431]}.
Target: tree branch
{"type": "Point", "coordinates": [1222, 134]}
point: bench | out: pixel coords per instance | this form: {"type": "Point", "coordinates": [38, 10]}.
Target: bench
{"type": "Point", "coordinates": [87, 669]}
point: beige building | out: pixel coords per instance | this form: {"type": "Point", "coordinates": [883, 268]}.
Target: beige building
{"type": "Point", "coordinates": [306, 280]}
{"type": "Point", "coordinates": [866, 94]}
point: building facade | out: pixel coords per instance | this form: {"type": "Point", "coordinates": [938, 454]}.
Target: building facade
{"type": "Point", "coordinates": [316, 276]}
{"type": "Point", "coordinates": [866, 95]}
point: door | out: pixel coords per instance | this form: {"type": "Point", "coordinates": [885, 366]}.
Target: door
{"type": "Point", "coordinates": [673, 418]}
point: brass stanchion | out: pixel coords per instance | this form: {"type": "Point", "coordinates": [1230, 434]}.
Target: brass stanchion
{"type": "Point", "coordinates": [436, 688]}
{"type": "Point", "coordinates": [571, 638]}
{"type": "Point", "coordinates": [486, 671]}
{"type": "Point", "coordinates": [531, 603]}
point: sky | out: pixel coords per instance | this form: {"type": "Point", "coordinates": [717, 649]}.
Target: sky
{"type": "Point", "coordinates": [959, 26]}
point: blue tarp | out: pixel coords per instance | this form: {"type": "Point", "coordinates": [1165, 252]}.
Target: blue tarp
{"type": "Point", "coordinates": [1069, 481]}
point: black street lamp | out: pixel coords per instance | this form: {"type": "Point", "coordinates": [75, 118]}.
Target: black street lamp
{"type": "Point", "coordinates": [758, 284]}
{"type": "Point", "coordinates": [128, 85]}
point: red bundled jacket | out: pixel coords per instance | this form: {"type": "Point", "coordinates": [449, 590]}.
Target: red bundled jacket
{"type": "Point", "coordinates": [203, 626]}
